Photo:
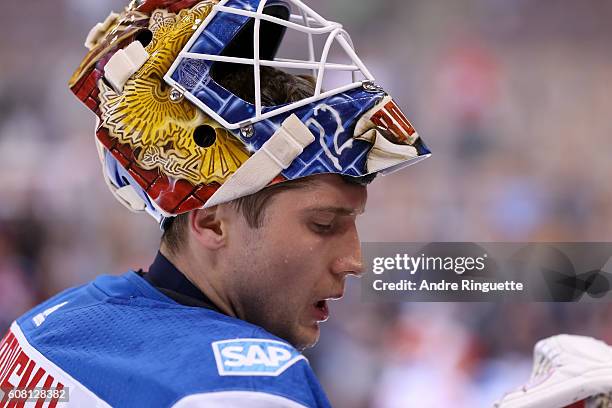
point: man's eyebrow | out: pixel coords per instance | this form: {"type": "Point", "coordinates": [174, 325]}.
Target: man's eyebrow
{"type": "Point", "coordinates": [336, 210]}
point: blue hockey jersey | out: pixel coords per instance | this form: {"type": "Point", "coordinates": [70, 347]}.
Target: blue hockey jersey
{"type": "Point", "coordinates": [120, 342]}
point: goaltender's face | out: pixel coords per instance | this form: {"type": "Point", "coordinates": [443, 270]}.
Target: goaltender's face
{"type": "Point", "coordinates": [284, 273]}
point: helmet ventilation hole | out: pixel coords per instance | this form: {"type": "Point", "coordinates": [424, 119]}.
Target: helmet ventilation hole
{"type": "Point", "coordinates": [144, 37]}
{"type": "Point", "coordinates": [204, 136]}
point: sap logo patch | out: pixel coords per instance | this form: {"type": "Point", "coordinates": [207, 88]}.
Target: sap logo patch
{"type": "Point", "coordinates": [254, 357]}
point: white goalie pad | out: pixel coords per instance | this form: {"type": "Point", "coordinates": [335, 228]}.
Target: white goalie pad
{"type": "Point", "coordinates": [567, 370]}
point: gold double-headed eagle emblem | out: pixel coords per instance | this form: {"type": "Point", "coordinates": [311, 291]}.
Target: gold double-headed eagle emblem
{"type": "Point", "coordinates": [158, 129]}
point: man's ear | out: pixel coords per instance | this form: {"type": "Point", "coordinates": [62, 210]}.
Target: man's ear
{"type": "Point", "coordinates": [207, 227]}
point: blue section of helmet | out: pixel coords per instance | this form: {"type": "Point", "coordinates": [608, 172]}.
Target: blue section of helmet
{"type": "Point", "coordinates": [227, 105]}
{"type": "Point", "coordinates": [331, 120]}
{"type": "Point", "coordinates": [218, 33]}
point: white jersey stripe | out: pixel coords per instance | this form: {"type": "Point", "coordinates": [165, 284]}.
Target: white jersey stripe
{"type": "Point", "coordinates": [78, 394]}
{"type": "Point", "coordinates": [236, 399]}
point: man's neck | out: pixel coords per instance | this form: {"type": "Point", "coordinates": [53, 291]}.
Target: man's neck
{"type": "Point", "coordinates": [202, 281]}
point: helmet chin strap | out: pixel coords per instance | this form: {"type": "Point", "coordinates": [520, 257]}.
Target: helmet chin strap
{"type": "Point", "coordinates": [277, 154]}
{"type": "Point", "coordinates": [125, 63]}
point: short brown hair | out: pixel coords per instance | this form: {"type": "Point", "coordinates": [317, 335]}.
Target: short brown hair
{"type": "Point", "coordinates": [252, 207]}
{"type": "Point", "coordinates": [277, 87]}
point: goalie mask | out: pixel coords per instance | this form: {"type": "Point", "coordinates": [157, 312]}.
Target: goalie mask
{"type": "Point", "coordinates": [172, 138]}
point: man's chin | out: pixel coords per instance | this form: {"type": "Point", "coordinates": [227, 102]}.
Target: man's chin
{"type": "Point", "coordinates": [300, 336]}
{"type": "Point", "coordinates": [307, 337]}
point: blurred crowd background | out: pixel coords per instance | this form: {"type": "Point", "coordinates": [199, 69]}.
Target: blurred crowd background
{"type": "Point", "coordinates": [513, 97]}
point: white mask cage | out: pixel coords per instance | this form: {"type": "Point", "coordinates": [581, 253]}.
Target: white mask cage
{"type": "Point", "coordinates": [308, 22]}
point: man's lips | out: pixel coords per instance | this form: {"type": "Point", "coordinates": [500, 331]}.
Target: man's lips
{"type": "Point", "coordinates": [321, 311]}
{"type": "Point", "coordinates": [321, 308]}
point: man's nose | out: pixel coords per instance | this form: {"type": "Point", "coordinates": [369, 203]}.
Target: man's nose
{"type": "Point", "coordinates": [349, 261]}
{"type": "Point", "coordinates": [348, 265]}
